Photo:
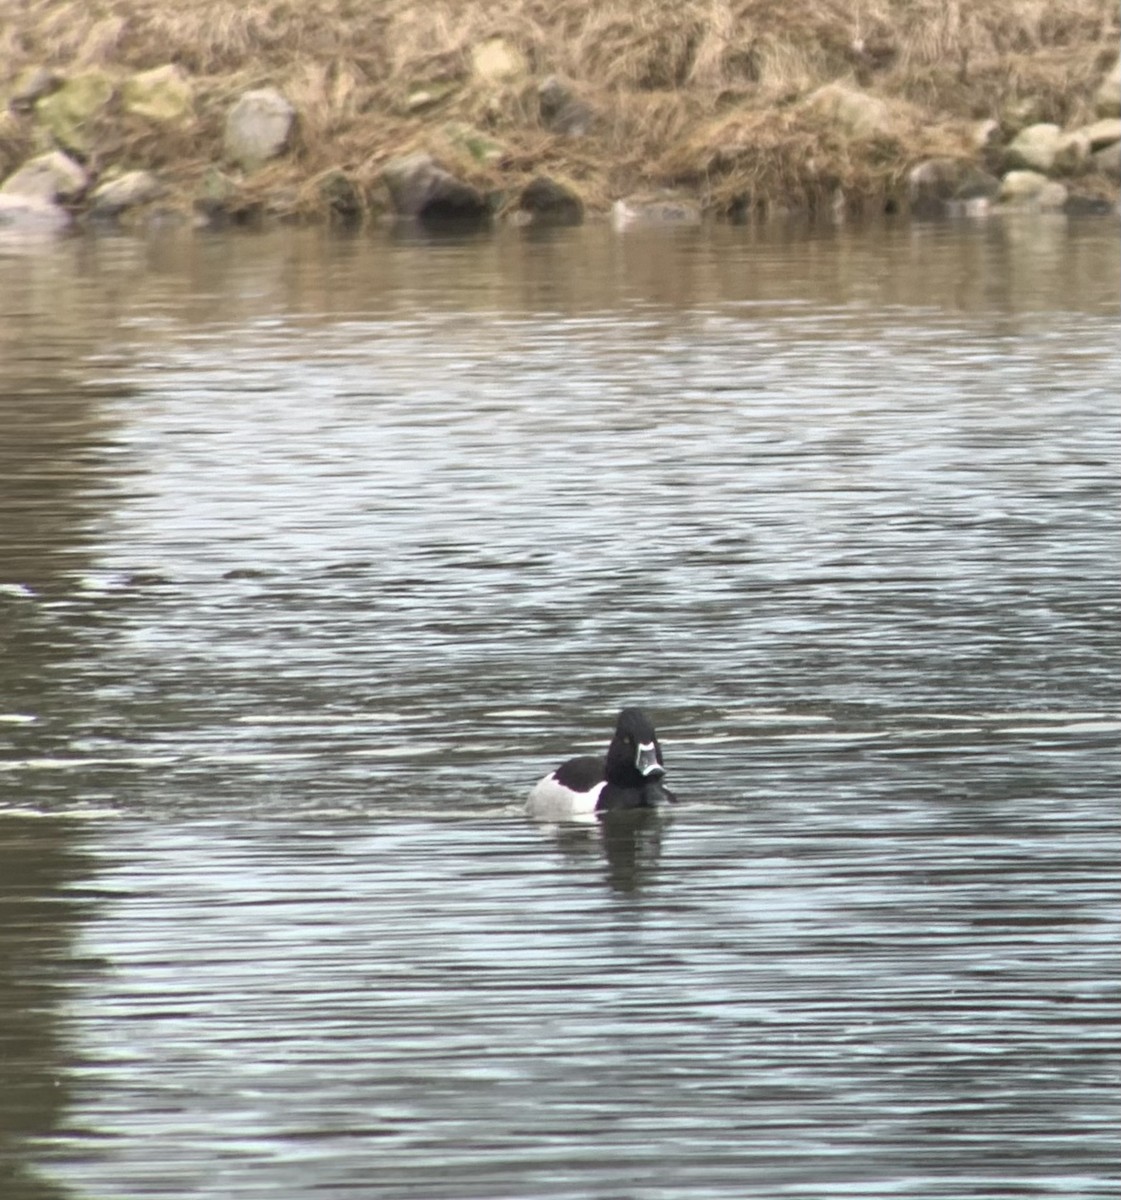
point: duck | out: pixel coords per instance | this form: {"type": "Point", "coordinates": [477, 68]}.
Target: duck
{"type": "Point", "coordinates": [628, 777]}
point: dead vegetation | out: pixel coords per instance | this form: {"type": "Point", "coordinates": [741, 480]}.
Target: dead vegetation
{"type": "Point", "coordinates": [700, 93]}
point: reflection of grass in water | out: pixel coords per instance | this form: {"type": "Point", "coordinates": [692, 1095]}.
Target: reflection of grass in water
{"type": "Point", "coordinates": [703, 92]}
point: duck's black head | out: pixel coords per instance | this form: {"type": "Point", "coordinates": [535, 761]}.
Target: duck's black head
{"type": "Point", "coordinates": [634, 757]}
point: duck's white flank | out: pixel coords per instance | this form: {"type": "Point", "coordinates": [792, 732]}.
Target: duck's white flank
{"type": "Point", "coordinates": [552, 801]}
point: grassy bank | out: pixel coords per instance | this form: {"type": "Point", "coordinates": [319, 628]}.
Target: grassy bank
{"type": "Point", "coordinates": [705, 96]}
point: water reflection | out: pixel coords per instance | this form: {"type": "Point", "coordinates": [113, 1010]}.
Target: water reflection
{"type": "Point", "coordinates": [628, 843]}
{"type": "Point", "coordinates": [43, 900]}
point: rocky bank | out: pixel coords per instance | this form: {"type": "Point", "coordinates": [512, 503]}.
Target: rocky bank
{"type": "Point", "coordinates": [129, 111]}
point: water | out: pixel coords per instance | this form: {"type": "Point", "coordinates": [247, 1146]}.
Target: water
{"type": "Point", "coordinates": [315, 552]}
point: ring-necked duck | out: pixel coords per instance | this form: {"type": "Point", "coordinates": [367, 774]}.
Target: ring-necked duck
{"type": "Point", "coordinates": [630, 776]}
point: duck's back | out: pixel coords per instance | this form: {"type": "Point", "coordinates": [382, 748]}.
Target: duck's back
{"type": "Point", "coordinates": [572, 790]}
{"type": "Point", "coordinates": [580, 774]}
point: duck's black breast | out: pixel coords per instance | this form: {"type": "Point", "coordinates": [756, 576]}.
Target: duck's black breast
{"type": "Point", "coordinates": [580, 774]}
{"type": "Point", "coordinates": [650, 795]}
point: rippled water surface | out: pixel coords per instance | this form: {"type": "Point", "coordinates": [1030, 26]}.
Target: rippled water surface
{"type": "Point", "coordinates": [316, 551]}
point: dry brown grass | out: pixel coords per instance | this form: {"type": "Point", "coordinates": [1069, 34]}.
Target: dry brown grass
{"type": "Point", "coordinates": [763, 159]}
{"type": "Point", "coordinates": [704, 92]}
{"type": "Point", "coordinates": [643, 44]}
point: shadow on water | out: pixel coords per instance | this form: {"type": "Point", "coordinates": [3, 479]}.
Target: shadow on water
{"type": "Point", "coordinates": [59, 486]}
{"type": "Point", "coordinates": [442, 229]}
{"type": "Point", "coordinates": [42, 906]}
{"type": "Point", "coordinates": [55, 499]}
{"type": "Point", "coordinates": [56, 440]}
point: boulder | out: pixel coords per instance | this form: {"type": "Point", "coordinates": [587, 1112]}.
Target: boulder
{"type": "Point", "coordinates": [856, 113]}
{"type": "Point", "coordinates": [1080, 204]}
{"type": "Point", "coordinates": [1101, 133]}
{"type": "Point", "coordinates": [1030, 189]}
{"type": "Point", "coordinates": [938, 186]}
{"type": "Point", "coordinates": [258, 127]}
{"type": "Point", "coordinates": [420, 189]}
{"type": "Point", "coordinates": [1107, 102]}
{"type": "Point", "coordinates": [68, 113]}
{"type": "Point", "coordinates": [562, 110]}
{"type": "Point", "coordinates": [342, 195]}
{"type": "Point", "coordinates": [48, 177]}
{"type": "Point", "coordinates": [219, 200]}
{"type": "Point", "coordinates": [129, 190]}
{"type": "Point", "coordinates": [163, 95]}
{"type": "Point", "coordinates": [497, 61]}
{"type": "Point", "coordinates": [545, 202]}
{"type": "Point", "coordinates": [29, 216]}
{"type": "Point", "coordinates": [1034, 148]}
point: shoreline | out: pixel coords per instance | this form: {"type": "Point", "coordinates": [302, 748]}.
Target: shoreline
{"type": "Point", "coordinates": [126, 111]}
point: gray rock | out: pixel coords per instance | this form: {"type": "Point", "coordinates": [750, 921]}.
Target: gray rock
{"type": "Point", "coordinates": [545, 202]}
{"type": "Point", "coordinates": [126, 191]}
{"type": "Point", "coordinates": [1079, 205]}
{"type": "Point", "coordinates": [28, 216]}
{"type": "Point", "coordinates": [70, 113]}
{"type": "Point", "coordinates": [342, 195]}
{"type": "Point", "coordinates": [938, 186]}
{"type": "Point", "coordinates": [47, 177]}
{"type": "Point", "coordinates": [421, 190]}
{"type": "Point", "coordinates": [219, 201]}
{"type": "Point", "coordinates": [1031, 189]}
{"type": "Point", "coordinates": [258, 127]}
{"type": "Point", "coordinates": [1034, 148]}
{"type": "Point", "coordinates": [1101, 133]}
{"type": "Point", "coordinates": [562, 110]}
